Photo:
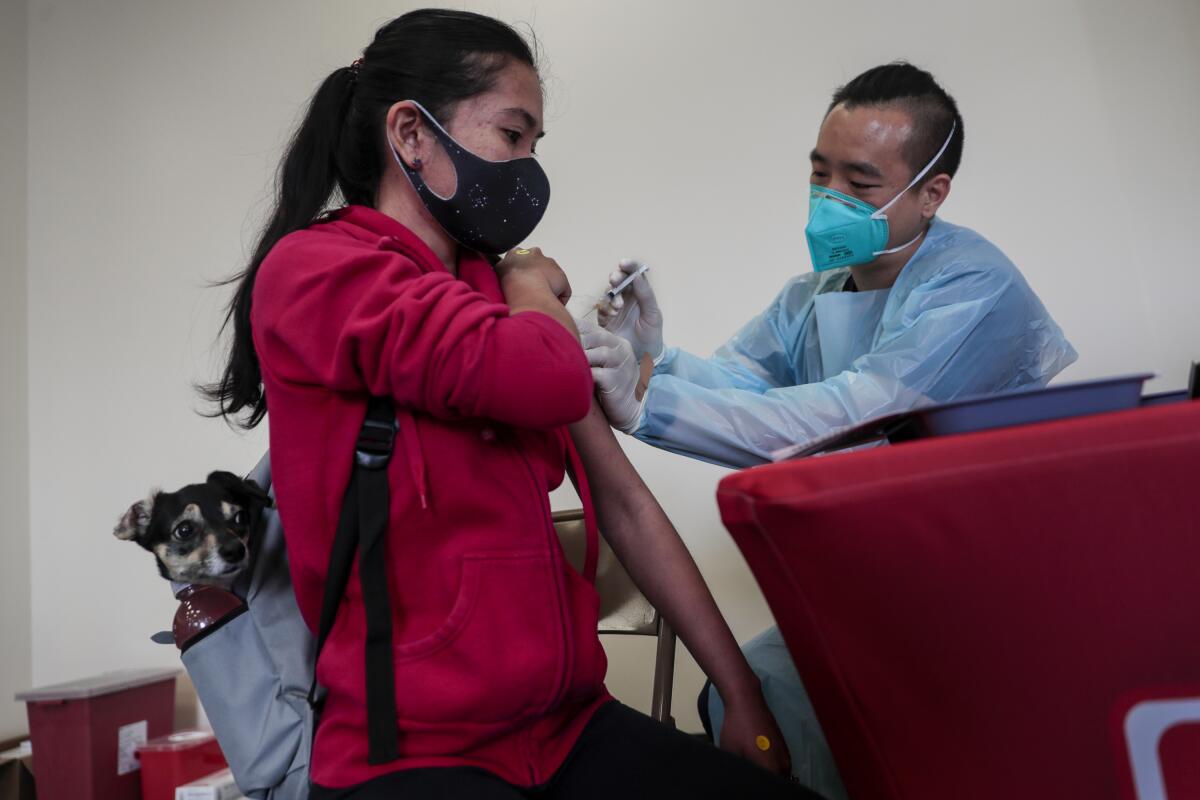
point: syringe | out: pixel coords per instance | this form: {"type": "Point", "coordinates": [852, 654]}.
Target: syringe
{"type": "Point", "coordinates": [612, 293]}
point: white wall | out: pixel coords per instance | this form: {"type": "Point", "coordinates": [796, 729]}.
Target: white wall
{"type": "Point", "coordinates": [14, 385]}
{"type": "Point", "coordinates": [678, 133]}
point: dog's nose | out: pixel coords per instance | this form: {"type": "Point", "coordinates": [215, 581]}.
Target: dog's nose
{"type": "Point", "coordinates": [233, 552]}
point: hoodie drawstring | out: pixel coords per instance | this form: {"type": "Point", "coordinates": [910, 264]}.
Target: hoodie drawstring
{"type": "Point", "coordinates": [416, 458]}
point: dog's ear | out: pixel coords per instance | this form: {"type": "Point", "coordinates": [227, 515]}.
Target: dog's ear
{"type": "Point", "coordinates": [258, 493]}
{"type": "Point", "coordinates": [245, 490]}
{"type": "Point", "coordinates": [136, 520]}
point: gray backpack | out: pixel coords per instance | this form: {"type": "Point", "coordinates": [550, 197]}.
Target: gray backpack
{"type": "Point", "coordinates": [253, 665]}
{"type": "Point", "coordinates": [254, 668]}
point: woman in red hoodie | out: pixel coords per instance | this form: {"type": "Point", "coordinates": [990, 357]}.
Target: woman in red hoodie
{"type": "Point", "coordinates": [498, 671]}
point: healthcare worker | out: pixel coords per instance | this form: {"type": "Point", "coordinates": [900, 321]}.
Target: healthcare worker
{"type": "Point", "coordinates": [901, 309]}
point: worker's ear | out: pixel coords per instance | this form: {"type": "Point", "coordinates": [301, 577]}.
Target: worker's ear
{"type": "Point", "coordinates": [933, 193]}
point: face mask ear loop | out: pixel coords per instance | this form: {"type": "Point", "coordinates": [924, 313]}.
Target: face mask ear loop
{"type": "Point", "coordinates": [901, 247]}
{"type": "Point", "coordinates": [433, 121]}
{"type": "Point", "coordinates": [880, 213]}
{"type": "Point", "coordinates": [408, 172]}
{"type": "Point", "coordinates": [442, 134]}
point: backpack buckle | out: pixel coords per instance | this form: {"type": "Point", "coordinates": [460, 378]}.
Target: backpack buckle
{"type": "Point", "coordinates": [375, 442]}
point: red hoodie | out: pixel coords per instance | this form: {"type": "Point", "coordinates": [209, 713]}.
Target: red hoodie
{"type": "Point", "coordinates": [498, 664]}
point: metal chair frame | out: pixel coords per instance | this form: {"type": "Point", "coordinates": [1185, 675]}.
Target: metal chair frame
{"type": "Point", "coordinates": [623, 608]}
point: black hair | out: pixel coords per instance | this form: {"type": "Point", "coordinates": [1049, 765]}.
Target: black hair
{"type": "Point", "coordinates": [434, 56]}
{"type": "Point", "coordinates": [932, 110]}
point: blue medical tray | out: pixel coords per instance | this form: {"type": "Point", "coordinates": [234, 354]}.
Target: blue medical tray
{"type": "Point", "coordinates": [1024, 407]}
{"type": "Point", "coordinates": [980, 413]}
{"type": "Point", "coordinates": [1164, 398]}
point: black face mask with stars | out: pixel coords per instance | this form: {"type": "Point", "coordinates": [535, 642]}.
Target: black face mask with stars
{"type": "Point", "coordinates": [495, 204]}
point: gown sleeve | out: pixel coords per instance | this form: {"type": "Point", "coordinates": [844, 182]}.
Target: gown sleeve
{"type": "Point", "coordinates": [962, 332]}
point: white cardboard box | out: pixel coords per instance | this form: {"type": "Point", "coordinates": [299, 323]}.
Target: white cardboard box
{"type": "Point", "coordinates": [217, 786]}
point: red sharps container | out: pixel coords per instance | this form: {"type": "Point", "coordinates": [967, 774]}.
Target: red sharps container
{"type": "Point", "coordinates": [86, 733]}
{"type": "Point", "coordinates": [178, 758]}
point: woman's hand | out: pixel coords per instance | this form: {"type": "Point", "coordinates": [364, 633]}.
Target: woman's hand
{"type": "Point", "coordinates": [532, 282]}
{"type": "Point", "coordinates": [524, 269]}
{"type": "Point", "coordinates": [746, 720]}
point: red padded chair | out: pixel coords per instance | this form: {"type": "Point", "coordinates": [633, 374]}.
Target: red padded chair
{"type": "Point", "coordinates": [991, 615]}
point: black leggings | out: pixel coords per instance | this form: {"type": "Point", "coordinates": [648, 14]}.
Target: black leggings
{"type": "Point", "coordinates": [621, 753]}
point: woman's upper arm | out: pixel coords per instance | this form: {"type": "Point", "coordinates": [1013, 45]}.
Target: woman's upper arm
{"type": "Point", "coordinates": [617, 488]}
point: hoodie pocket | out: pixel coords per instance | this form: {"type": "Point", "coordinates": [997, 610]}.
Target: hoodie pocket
{"type": "Point", "coordinates": [498, 657]}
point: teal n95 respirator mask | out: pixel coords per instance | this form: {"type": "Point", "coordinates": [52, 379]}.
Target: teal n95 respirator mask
{"type": "Point", "coordinates": [843, 231]}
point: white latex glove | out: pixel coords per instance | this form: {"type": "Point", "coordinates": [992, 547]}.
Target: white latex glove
{"type": "Point", "coordinates": [634, 314]}
{"type": "Point", "coordinates": [615, 371]}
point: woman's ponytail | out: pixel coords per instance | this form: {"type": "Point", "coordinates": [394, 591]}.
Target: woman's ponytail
{"type": "Point", "coordinates": [307, 177]}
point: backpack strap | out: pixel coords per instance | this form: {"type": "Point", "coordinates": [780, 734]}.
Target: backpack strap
{"type": "Point", "coordinates": [374, 450]}
{"type": "Point", "coordinates": [361, 527]}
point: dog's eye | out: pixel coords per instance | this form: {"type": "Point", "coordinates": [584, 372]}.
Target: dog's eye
{"type": "Point", "coordinates": [241, 518]}
{"type": "Point", "coordinates": [184, 530]}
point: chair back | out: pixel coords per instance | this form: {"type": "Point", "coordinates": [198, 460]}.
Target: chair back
{"type": "Point", "coordinates": [623, 607]}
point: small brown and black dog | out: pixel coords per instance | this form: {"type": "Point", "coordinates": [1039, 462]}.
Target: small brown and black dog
{"type": "Point", "coordinates": [201, 533]}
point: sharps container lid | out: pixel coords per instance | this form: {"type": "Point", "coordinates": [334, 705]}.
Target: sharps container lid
{"type": "Point", "coordinates": [97, 685]}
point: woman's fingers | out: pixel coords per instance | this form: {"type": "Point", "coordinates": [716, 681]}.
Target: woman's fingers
{"type": "Point", "coordinates": [531, 261]}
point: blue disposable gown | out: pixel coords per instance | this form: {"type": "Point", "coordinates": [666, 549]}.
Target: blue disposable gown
{"type": "Point", "coordinates": [960, 320]}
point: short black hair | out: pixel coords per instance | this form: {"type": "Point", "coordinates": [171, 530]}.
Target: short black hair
{"type": "Point", "coordinates": [914, 90]}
